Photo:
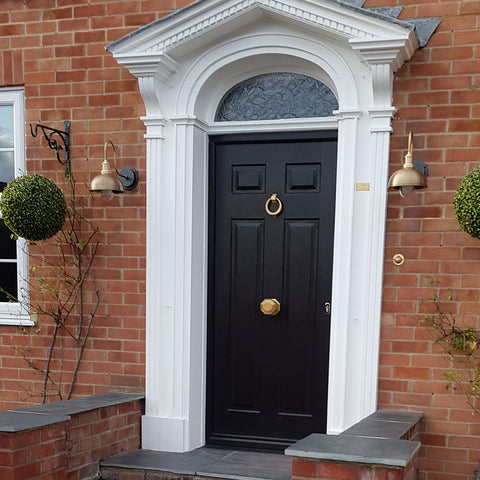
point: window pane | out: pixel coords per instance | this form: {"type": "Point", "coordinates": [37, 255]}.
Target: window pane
{"type": "Point", "coordinates": [8, 248]}
{"type": "Point", "coordinates": [8, 281]}
{"type": "Point", "coordinates": [7, 169]}
{"type": "Point", "coordinates": [6, 126]}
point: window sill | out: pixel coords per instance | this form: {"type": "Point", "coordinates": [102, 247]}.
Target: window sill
{"type": "Point", "coordinates": [16, 319]}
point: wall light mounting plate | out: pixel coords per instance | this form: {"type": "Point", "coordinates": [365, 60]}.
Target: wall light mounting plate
{"type": "Point", "coordinates": [129, 178]}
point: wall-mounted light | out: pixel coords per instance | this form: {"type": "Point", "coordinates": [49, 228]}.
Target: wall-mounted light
{"type": "Point", "coordinates": [412, 175]}
{"type": "Point", "coordinates": [112, 181]}
{"type": "Point", "coordinates": [49, 134]}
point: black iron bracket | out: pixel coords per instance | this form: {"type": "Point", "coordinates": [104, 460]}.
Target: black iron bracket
{"type": "Point", "coordinates": [50, 135]}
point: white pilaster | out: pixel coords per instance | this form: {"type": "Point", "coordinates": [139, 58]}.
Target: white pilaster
{"type": "Point", "coordinates": [176, 275]}
{"type": "Point", "coordinates": [342, 268]}
{"type": "Point", "coordinates": [163, 423]}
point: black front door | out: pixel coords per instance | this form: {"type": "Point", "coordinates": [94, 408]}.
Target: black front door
{"type": "Point", "coordinates": [271, 241]}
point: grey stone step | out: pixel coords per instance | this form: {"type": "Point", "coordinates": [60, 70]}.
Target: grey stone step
{"type": "Point", "coordinates": [203, 462]}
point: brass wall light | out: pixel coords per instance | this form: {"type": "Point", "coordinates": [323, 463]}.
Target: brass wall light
{"type": "Point", "coordinates": [112, 181]}
{"type": "Point", "coordinates": [412, 175]}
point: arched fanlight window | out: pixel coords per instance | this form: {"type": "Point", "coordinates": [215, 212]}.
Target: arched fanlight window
{"type": "Point", "coordinates": [276, 96]}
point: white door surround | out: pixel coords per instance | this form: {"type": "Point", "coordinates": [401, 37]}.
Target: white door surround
{"type": "Point", "coordinates": [185, 63]}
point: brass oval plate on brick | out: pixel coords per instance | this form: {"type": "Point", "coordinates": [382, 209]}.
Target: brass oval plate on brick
{"type": "Point", "coordinates": [398, 259]}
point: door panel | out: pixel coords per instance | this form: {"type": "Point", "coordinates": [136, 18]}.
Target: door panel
{"type": "Point", "coordinates": [268, 375]}
{"type": "Point", "coordinates": [246, 286]}
{"type": "Point", "coordinates": [301, 253]}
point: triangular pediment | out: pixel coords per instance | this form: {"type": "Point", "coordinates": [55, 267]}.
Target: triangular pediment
{"type": "Point", "coordinates": [210, 20]}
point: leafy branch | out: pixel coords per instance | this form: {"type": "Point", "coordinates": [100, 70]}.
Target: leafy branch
{"type": "Point", "coordinates": [461, 346]}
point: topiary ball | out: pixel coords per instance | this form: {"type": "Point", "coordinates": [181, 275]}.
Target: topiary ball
{"type": "Point", "coordinates": [467, 203]}
{"type": "Point", "coordinates": [33, 207]}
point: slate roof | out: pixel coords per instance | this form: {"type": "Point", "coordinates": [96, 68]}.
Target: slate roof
{"type": "Point", "coordinates": [424, 27]}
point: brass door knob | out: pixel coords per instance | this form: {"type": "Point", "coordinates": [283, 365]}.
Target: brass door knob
{"type": "Point", "coordinates": [270, 306]}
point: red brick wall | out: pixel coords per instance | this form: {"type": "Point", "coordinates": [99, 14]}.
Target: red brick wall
{"type": "Point", "coordinates": [56, 49]}
{"type": "Point", "coordinates": [328, 470]}
{"type": "Point", "coordinates": [99, 434]}
{"type": "Point", "coordinates": [71, 449]}
{"type": "Point", "coordinates": [437, 95]}
{"type": "Point", "coordinates": [32, 453]}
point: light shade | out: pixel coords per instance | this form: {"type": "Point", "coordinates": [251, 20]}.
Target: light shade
{"type": "Point", "coordinates": [111, 181]}
{"type": "Point", "coordinates": [408, 177]}
{"type": "Point", "coordinates": [107, 181]}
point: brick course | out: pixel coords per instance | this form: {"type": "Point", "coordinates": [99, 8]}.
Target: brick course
{"type": "Point", "coordinates": [325, 470]}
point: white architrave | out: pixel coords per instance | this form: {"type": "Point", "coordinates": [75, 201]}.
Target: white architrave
{"type": "Point", "coordinates": [185, 63]}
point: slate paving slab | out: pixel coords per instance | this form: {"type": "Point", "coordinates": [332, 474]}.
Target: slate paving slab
{"type": "Point", "coordinates": [385, 424]}
{"type": "Point", "coordinates": [208, 462]}
{"type": "Point", "coordinates": [374, 440]}
{"type": "Point", "coordinates": [251, 465]}
{"type": "Point", "coordinates": [378, 429]}
{"type": "Point", "coordinates": [84, 404]}
{"type": "Point", "coordinates": [345, 448]}
{"type": "Point", "coordinates": [15, 421]}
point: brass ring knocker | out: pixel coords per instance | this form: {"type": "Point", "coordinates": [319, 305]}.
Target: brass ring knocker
{"type": "Point", "coordinates": [273, 198]}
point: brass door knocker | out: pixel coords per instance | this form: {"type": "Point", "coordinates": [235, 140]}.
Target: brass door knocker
{"type": "Point", "coordinates": [273, 198]}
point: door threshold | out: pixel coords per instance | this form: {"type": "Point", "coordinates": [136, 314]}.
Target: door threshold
{"type": "Point", "coordinates": [209, 462]}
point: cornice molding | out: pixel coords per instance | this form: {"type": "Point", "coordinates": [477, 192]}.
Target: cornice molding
{"type": "Point", "coordinates": [159, 65]}
{"type": "Point", "coordinates": [151, 70]}
{"type": "Point", "coordinates": [313, 15]}
{"type": "Point", "coordinates": [149, 53]}
{"type": "Point", "coordinates": [393, 52]}
{"type": "Point", "coordinates": [358, 27]}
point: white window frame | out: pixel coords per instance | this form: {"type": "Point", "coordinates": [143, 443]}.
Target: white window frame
{"type": "Point", "coordinates": [17, 313]}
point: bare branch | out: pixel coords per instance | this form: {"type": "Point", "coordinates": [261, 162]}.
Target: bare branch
{"type": "Point", "coordinates": [58, 296]}
{"type": "Point", "coordinates": [83, 344]}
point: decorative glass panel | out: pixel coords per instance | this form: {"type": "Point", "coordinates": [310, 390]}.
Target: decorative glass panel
{"type": "Point", "coordinates": [276, 96]}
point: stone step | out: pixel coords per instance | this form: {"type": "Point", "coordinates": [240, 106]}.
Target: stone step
{"type": "Point", "coordinates": [385, 443]}
{"type": "Point", "coordinates": [201, 463]}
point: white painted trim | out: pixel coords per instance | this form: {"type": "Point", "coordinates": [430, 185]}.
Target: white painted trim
{"type": "Point", "coordinates": [12, 313]}
{"type": "Point", "coordinates": [342, 265]}
{"type": "Point", "coordinates": [185, 64]}
{"type": "Point", "coordinates": [205, 20]}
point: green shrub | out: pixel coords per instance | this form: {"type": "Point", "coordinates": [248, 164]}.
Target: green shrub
{"type": "Point", "coordinates": [467, 203]}
{"type": "Point", "coordinates": [33, 207]}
